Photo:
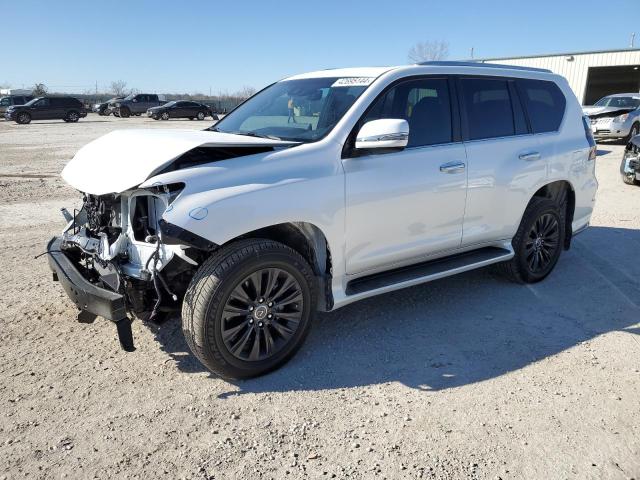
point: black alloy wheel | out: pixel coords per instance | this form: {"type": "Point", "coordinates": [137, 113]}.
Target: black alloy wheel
{"type": "Point", "coordinates": [261, 314]}
{"type": "Point", "coordinates": [542, 242]}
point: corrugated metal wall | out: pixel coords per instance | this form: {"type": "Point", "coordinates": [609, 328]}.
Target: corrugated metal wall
{"type": "Point", "coordinates": [575, 71]}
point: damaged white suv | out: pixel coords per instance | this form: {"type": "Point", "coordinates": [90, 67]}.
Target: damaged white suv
{"type": "Point", "coordinates": [320, 190]}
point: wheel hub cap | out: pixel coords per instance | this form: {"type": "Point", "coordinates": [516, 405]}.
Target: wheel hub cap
{"type": "Point", "coordinates": [260, 313]}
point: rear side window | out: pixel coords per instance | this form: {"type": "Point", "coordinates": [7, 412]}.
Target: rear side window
{"type": "Point", "coordinates": [544, 102]}
{"type": "Point", "coordinates": [487, 105]}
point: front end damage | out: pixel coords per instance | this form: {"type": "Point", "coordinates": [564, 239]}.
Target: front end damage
{"type": "Point", "coordinates": [630, 166]}
{"type": "Point", "coordinates": [118, 259]}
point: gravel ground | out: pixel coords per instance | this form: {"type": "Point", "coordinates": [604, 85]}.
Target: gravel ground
{"type": "Point", "coordinates": [467, 377]}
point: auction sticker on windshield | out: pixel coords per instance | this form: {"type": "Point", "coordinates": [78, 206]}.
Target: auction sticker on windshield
{"type": "Point", "coordinates": [353, 82]}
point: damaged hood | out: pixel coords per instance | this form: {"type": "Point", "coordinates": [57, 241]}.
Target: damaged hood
{"type": "Point", "coordinates": [124, 159]}
{"type": "Point", "coordinates": [594, 111]}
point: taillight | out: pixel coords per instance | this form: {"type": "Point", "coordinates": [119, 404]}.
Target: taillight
{"type": "Point", "coordinates": [593, 149]}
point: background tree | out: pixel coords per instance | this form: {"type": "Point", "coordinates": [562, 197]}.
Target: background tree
{"type": "Point", "coordinates": [118, 88]}
{"type": "Point", "coordinates": [429, 50]}
{"type": "Point", "coordinates": [39, 89]}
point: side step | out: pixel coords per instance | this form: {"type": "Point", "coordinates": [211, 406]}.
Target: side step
{"type": "Point", "coordinates": [427, 271]}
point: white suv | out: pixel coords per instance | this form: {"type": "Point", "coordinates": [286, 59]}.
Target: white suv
{"type": "Point", "coordinates": [320, 190]}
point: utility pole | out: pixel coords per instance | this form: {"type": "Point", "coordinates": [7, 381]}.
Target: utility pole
{"type": "Point", "coordinates": [471, 53]}
{"type": "Point", "coordinates": [96, 88]}
{"type": "Point", "coordinates": [633, 38]}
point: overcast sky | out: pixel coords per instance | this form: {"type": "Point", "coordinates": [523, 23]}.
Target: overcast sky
{"type": "Point", "coordinates": [198, 46]}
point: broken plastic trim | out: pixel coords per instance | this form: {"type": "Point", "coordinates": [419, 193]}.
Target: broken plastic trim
{"type": "Point", "coordinates": [174, 235]}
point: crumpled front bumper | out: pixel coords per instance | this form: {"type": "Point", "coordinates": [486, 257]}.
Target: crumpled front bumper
{"type": "Point", "coordinates": [90, 299]}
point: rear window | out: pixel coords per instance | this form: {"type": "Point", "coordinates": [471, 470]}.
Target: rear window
{"type": "Point", "coordinates": [544, 102]}
{"type": "Point", "coordinates": [487, 105]}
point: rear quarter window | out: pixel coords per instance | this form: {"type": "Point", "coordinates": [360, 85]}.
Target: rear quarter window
{"type": "Point", "coordinates": [544, 102]}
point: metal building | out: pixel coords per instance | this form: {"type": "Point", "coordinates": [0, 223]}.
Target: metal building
{"type": "Point", "coordinates": [591, 75]}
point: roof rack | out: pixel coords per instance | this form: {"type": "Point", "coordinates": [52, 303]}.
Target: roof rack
{"type": "Point", "coordinates": [482, 65]}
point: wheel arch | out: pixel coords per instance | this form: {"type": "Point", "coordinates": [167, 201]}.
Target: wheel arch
{"type": "Point", "coordinates": [562, 193]}
{"type": "Point", "coordinates": [309, 241]}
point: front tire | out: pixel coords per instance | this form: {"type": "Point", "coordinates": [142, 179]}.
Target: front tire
{"type": "Point", "coordinates": [537, 243]}
{"type": "Point", "coordinates": [165, 116]}
{"type": "Point", "coordinates": [124, 112]}
{"type": "Point", "coordinates": [72, 117]}
{"type": "Point", "coordinates": [249, 308]}
{"type": "Point", "coordinates": [23, 118]}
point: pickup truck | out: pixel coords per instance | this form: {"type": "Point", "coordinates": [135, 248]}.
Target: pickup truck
{"type": "Point", "coordinates": [136, 104]}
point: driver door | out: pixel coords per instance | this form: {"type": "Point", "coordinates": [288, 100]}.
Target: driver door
{"type": "Point", "coordinates": [405, 206]}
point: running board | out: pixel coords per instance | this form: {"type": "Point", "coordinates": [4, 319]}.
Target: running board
{"type": "Point", "coordinates": [426, 271]}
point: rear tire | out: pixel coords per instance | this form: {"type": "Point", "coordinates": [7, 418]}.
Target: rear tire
{"type": "Point", "coordinates": [23, 118]}
{"type": "Point", "coordinates": [72, 117]}
{"type": "Point", "coordinates": [537, 243]}
{"type": "Point", "coordinates": [249, 308]}
{"type": "Point", "coordinates": [201, 115]}
{"type": "Point", "coordinates": [629, 179]}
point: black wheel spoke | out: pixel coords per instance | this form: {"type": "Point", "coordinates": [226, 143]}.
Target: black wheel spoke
{"type": "Point", "coordinates": [239, 345]}
{"type": "Point", "coordinates": [235, 311]}
{"type": "Point", "coordinates": [230, 333]}
{"type": "Point", "coordinates": [294, 296]}
{"type": "Point", "coordinates": [255, 349]}
{"type": "Point", "coordinates": [292, 316]}
{"type": "Point", "coordinates": [240, 294]}
{"type": "Point", "coordinates": [284, 331]}
{"type": "Point", "coordinates": [272, 278]}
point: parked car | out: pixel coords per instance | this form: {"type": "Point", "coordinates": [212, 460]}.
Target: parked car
{"type": "Point", "coordinates": [68, 109]}
{"type": "Point", "coordinates": [615, 116]}
{"type": "Point", "coordinates": [630, 167]}
{"type": "Point", "coordinates": [12, 100]}
{"type": "Point", "coordinates": [135, 104]}
{"type": "Point", "coordinates": [103, 108]}
{"type": "Point", "coordinates": [180, 109]}
{"type": "Point", "coordinates": [377, 179]}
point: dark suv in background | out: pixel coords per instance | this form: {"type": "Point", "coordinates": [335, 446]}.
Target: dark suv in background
{"type": "Point", "coordinates": [68, 109]}
{"type": "Point", "coordinates": [11, 100]}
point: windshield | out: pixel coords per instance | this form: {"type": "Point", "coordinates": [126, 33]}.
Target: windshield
{"type": "Point", "coordinates": [298, 110]}
{"type": "Point", "coordinates": [622, 102]}
{"type": "Point", "coordinates": [168, 104]}
{"type": "Point", "coordinates": [31, 102]}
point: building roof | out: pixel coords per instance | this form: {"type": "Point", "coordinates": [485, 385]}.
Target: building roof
{"type": "Point", "coordinates": [562, 54]}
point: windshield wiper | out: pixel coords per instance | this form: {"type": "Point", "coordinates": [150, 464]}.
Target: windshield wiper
{"type": "Point", "coordinates": [247, 134]}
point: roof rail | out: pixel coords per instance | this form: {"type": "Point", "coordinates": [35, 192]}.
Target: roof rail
{"type": "Point", "coordinates": [483, 65]}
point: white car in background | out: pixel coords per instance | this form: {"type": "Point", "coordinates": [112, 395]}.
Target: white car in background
{"type": "Point", "coordinates": [615, 116]}
{"type": "Point", "coordinates": [324, 189]}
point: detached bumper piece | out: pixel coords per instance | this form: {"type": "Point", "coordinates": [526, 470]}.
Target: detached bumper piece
{"type": "Point", "coordinates": [91, 300]}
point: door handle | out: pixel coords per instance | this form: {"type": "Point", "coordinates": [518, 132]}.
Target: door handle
{"type": "Point", "coordinates": [529, 156]}
{"type": "Point", "coordinates": [452, 167]}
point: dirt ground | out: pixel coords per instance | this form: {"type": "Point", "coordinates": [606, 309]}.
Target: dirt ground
{"type": "Point", "coordinates": [467, 377]}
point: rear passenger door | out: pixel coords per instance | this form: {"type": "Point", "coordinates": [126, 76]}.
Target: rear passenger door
{"type": "Point", "coordinates": [505, 161]}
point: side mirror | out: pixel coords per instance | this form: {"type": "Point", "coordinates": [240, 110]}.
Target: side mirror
{"type": "Point", "coordinates": [134, 100]}
{"type": "Point", "coordinates": [383, 133]}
